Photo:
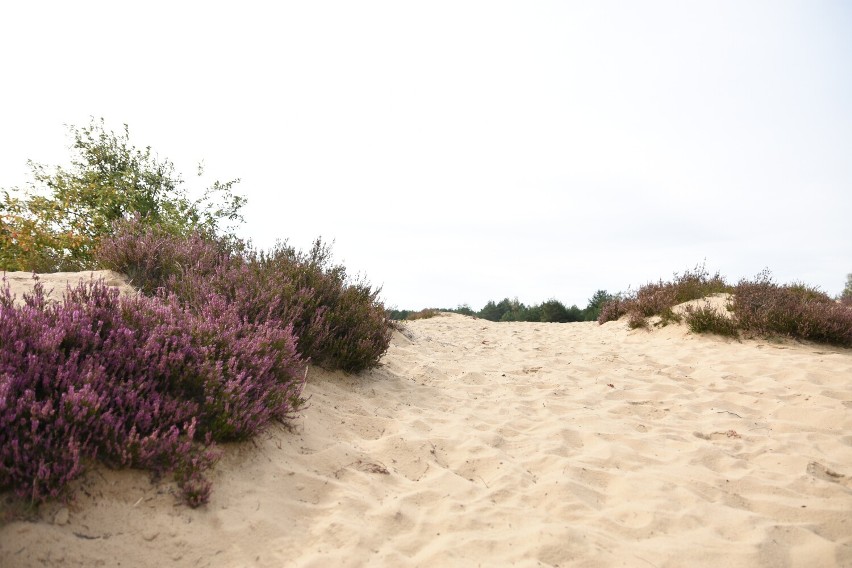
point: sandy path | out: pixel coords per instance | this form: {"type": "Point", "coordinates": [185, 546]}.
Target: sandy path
{"type": "Point", "coordinates": [484, 444]}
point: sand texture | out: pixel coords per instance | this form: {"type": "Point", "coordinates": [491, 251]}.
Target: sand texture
{"type": "Point", "coordinates": [511, 444]}
{"type": "Point", "coordinates": [57, 283]}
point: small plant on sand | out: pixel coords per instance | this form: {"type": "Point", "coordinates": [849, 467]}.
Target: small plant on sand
{"type": "Point", "coordinates": [706, 319]}
{"type": "Point", "coordinates": [635, 320]}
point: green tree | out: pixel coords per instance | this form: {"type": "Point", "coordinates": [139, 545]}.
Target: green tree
{"type": "Point", "coordinates": [489, 312]}
{"type": "Point", "coordinates": [846, 296]}
{"type": "Point", "coordinates": [575, 313]}
{"type": "Point", "coordinates": [514, 310]}
{"type": "Point", "coordinates": [56, 222]}
{"type": "Point", "coordinates": [464, 310]}
{"type": "Point", "coordinates": [533, 313]}
{"type": "Point", "coordinates": [553, 311]}
{"type": "Point", "coordinates": [596, 302]}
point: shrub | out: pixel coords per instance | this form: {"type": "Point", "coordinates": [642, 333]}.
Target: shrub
{"type": "Point", "coordinates": [707, 320]}
{"type": "Point", "coordinates": [464, 310]}
{"type": "Point", "coordinates": [636, 320]}
{"type": "Point", "coordinates": [612, 310]}
{"type": "Point", "coordinates": [827, 323]}
{"type": "Point", "coordinates": [339, 322]}
{"type": "Point", "coordinates": [153, 257]}
{"type": "Point", "coordinates": [358, 331]}
{"type": "Point", "coordinates": [653, 299]}
{"type": "Point", "coordinates": [697, 284]}
{"type": "Point", "coordinates": [765, 308]}
{"type": "Point", "coordinates": [398, 315]}
{"type": "Point", "coordinates": [658, 298]}
{"type": "Point", "coordinates": [137, 382]}
{"type": "Point", "coordinates": [422, 314]}
{"type": "Point", "coordinates": [759, 307]}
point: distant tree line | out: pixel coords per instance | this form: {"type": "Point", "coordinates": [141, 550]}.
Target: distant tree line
{"type": "Point", "coordinates": [514, 310]}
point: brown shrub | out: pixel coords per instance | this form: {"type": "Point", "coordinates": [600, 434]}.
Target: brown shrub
{"type": "Point", "coordinates": [422, 314]}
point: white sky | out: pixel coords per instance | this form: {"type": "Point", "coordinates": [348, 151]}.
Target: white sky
{"type": "Point", "coordinates": [464, 151]}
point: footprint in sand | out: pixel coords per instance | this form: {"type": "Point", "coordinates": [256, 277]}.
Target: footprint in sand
{"type": "Point", "coordinates": [717, 435]}
{"type": "Point", "coordinates": [821, 472]}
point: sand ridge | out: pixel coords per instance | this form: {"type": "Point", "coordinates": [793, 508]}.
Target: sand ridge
{"type": "Point", "coordinates": [500, 444]}
{"type": "Point", "coordinates": [56, 283]}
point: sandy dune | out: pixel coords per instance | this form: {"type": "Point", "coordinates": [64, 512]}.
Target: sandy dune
{"type": "Point", "coordinates": [57, 283]}
{"type": "Point", "coordinates": [484, 444]}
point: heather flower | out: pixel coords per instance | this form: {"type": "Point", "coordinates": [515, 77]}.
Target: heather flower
{"type": "Point", "coordinates": [134, 382]}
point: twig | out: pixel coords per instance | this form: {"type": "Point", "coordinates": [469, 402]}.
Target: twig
{"type": "Point", "coordinates": [728, 412]}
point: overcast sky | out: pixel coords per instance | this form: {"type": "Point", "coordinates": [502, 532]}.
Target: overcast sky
{"type": "Point", "coordinates": [458, 151]}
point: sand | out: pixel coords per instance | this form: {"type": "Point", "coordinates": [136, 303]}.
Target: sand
{"type": "Point", "coordinates": [511, 444]}
{"type": "Point", "coordinates": [56, 284]}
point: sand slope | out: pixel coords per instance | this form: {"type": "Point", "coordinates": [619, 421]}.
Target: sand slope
{"type": "Point", "coordinates": [56, 283]}
{"type": "Point", "coordinates": [484, 444]}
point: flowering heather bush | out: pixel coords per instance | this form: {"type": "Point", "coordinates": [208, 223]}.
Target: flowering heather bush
{"type": "Point", "coordinates": [764, 307]}
{"type": "Point", "coordinates": [658, 298]}
{"type": "Point", "coordinates": [760, 307]}
{"type": "Point", "coordinates": [138, 382]}
{"type": "Point", "coordinates": [338, 323]}
{"type": "Point", "coordinates": [613, 310]}
{"type": "Point", "coordinates": [153, 258]}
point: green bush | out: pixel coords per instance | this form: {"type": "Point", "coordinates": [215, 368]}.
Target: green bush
{"type": "Point", "coordinates": [707, 320]}
{"type": "Point", "coordinates": [846, 295]}
{"type": "Point", "coordinates": [464, 310]}
{"type": "Point", "coordinates": [398, 315]}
